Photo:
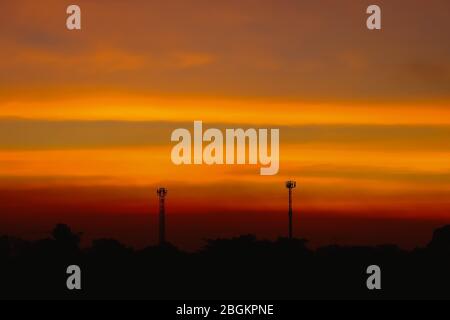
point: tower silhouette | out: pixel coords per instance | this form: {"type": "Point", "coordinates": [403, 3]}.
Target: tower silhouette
{"type": "Point", "coordinates": [162, 192]}
{"type": "Point", "coordinates": [290, 185]}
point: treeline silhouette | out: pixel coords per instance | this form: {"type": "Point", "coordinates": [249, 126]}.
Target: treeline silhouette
{"type": "Point", "coordinates": [237, 268]}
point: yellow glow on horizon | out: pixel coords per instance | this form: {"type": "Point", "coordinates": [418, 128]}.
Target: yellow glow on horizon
{"type": "Point", "coordinates": [227, 110]}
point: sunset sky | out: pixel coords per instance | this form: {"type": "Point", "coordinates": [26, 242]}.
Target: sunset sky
{"type": "Point", "coordinates": [364, 117]}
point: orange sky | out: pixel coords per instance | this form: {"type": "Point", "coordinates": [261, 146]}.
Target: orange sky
{"type": "Point", "coordinates": [364, 116]}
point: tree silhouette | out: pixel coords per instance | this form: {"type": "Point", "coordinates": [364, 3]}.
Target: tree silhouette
{"type": "Point", "coordinates": [237, 268]}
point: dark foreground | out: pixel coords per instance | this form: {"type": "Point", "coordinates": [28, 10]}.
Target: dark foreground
{"type": "Point", "coordinates": [239, 268]}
